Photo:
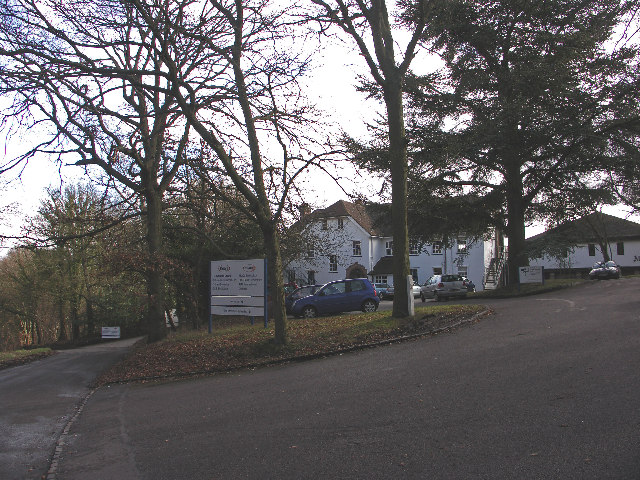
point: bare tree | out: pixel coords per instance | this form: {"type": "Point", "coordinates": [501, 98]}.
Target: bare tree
{"type": "Point", "coordinates": [368, 24]}
{"type": "Point", "coordinates": [88, 78]}
{"type": "Point", "coordinates": [245, 104]}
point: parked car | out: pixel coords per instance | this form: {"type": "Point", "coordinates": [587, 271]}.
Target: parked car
{"type": "Point", "coordinates": [471, 287]}
{"type": "Point", "coordinates": [290, 287]}
{"type": "Point", "coordinates": [382, 289]}
{"type": "Point", "coordinates": [415, 290]}
{"type": "Point", "coordinates": [299, 293]}
{"type": "Point", "coordinates": [605, 270]}
{"type": "Point", "coordinates": [338, 296]}
{"type": "Point", "coordinates": [390, 292]}
{"type": "Point", "coordinates": [442, 287]}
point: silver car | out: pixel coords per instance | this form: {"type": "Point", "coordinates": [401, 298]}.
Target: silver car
{"type": "Point", "coordinates": [442, 287]}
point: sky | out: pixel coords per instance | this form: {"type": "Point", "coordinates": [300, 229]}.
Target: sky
{"type": "Point", "coordinates": [331, 85]}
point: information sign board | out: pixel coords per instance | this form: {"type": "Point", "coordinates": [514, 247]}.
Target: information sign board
{"type": "Point", "coordinates": [237, 278]}
{"type": "Point", "coordinates": [531, 274]}
{"type": "Point", "coordinates": [110, 332]}
{"type": "Point", "coordinates": [238, 288]}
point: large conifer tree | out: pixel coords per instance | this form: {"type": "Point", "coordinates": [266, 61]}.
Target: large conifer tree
{"type": "Point", "coordinates": [543, 106]}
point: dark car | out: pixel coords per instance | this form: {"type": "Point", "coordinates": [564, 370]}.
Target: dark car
{"type": "Point", "coordinates": [382, 289]}
{"type": "Point", "coordinates": [471, 287]}
{"type": "Point", "coordinates": [604, 270]}
{"type": "Point", "coordinates": [299, 293]}
{"type": "Point", "coordinates": [338, 296]}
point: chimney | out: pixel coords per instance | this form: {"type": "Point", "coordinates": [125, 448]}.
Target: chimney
{"type": "Point", "coordinates": [304, 210]}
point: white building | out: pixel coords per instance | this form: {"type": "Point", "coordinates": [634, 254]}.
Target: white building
{"type": "Point", "coordinates": [573, 247]}
{"type": "Point", "coordinates": [352, 240]}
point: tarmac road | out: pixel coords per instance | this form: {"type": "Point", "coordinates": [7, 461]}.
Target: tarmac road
{"type": "Point", "coordinates": [545, 388]}
{"type": "Point", "coordinates": [38, 399]}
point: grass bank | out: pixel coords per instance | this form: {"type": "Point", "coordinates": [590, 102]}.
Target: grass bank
{"type": "Point", "coordinates": [19, 357]}
{"type": "Point", "coordinates": [236, 344]}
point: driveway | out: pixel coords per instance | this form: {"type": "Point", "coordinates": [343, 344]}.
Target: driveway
{"type": "Point", "coordinates": [39, 399]}
{"type": "Point", "coordinates": [547, 387]}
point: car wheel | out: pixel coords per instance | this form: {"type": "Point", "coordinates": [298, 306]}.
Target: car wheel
{"type": "Point", "coordinates": [309, 312]}
{"type": "Point", "coordinates": [369, 306]}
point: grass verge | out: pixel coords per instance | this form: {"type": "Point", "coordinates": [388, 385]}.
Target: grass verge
{"type": "Point", "coordinates": [19, 357]}
{"type": "Point", "coordinates": [234, 346]}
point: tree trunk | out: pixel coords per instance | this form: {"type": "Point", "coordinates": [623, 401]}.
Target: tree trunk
{"type": "Point", "coordinates": [155, 323]}
{"type": "Point", "coordinates": [275, 282]}
{"type": "Point", "coordinates": [62, 329]}
{"type": "Point", "coordinates": [398, 161]}
{"type": "Point", "coordinates": [515, 227]}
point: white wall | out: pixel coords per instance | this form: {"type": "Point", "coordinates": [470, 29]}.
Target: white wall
{"type": "Point", "coordinates": [579, 257]}
{"type": "Point", "coordinates": [339, 241]}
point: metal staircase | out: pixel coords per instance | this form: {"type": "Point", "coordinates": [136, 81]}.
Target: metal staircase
{"type": "Point", "coordinates": [493, 273]}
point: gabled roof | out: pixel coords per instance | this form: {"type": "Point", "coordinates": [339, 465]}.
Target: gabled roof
{"type": "Point", "coordinates": [371, 217]}
{"type": "Point", "coordinates": [588, 228]}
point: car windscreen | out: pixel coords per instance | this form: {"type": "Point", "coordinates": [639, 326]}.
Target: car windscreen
{"type": "Point", "coordinates": [451, 278]}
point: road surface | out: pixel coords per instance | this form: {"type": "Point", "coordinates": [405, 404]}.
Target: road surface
{"type": "Point", "coordinates": [38, 400]}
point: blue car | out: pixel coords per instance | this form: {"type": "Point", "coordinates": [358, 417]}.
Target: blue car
{"type": "Point", "coordinates": [338, 296]}
{"type": "Point", "coordinates": [299, 293]}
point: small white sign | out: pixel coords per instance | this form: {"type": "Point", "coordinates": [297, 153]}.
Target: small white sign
{"type": "Point", "coordinates": [230, 301]}
{"type": "Point", "coordinates": [247, 311]}
{"type": "Point", "coordinates": [110, 332]}
{"type": "Point", "coordinates": [531, 274]}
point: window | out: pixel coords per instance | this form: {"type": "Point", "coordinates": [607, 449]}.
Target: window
{"type": "Point", "coordinates": [620, 248]}
{"type": "Point", "coordinates": [340, 223]}
{"type": "Point", "coordinates": [462, 270]}
{"type": "Point", "coordinates": [414, 274]}
{"type": "Point", "coordinates": [291, 276]}
{"type": "Point", "coordinates": [437, 270]}
{"type": "Point", "coordinates": [334, 288]}
{"type": "Point", "coordinates": [311, 277]}
{"type": "Point", "coordinates": [592, 249]}
{"type": "Point", "coordinates": [389, 248]}
{"type": "Point", "coordinates": [414, 248]}
{"type": "Point", "coordinates": [462, 245]}
{"type": "Point", "coordinates": [357, 248]}
{"type": "Point", "coordinates": [325, 224]}
{"type": "Point", "coordinates": [333, 263]}
{"type": "Point", "coordinates": [436, 249]}
{"type": "Point", "coordinates": [380, 279]}
{"type": "Point", "coordinates": [357, 285]}
{"type": "Point", "coordinates": [311, 252]}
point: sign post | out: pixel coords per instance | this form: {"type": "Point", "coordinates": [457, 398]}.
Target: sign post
{"type": "Point", "coordinates": [238, 287]}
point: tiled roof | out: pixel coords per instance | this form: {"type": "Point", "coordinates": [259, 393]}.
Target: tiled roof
{"type": "Point", "coordinates": [372, 217]}
{"type": "Point", "coordinates": [584, 229]}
